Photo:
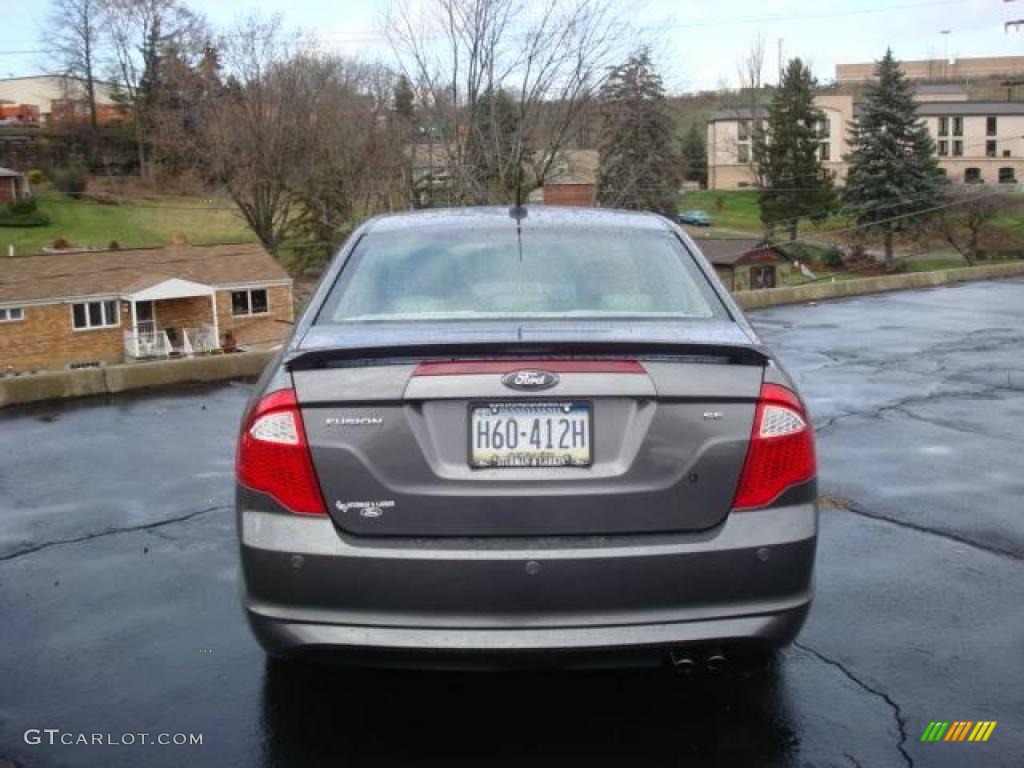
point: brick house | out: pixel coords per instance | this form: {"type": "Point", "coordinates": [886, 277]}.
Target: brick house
{"type": "Point", "coordinates": [572, 179]}
{"type": "Point", "coordinates": [13, 186]}
{"type": "Point", "coordinates": [745, 264]}
{"type": "Point", "coordinates": [94, 307]}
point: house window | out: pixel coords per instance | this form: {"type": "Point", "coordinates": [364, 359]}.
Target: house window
{"type": "Point", "coordinates": [743, 153]}
{"type": "Point", "coordinates": [249, 302]}
{"type": "Point", "coordinates": [990, 126]}
{"type": "Point", "coordinates": [943, 126]}
{"type": "Point", "coordinates": [958, 149]}
{"type": "Point", "coordinates": [762, 277]}
{"type": "Point", "coordinates": [943, 148]}
{"type": "Point", "coordinates": [12, 315]}
{"type": "Point", "coordinates": [743, 130]}
{"type": "Point", "coordinates": [990, 149]}
{"type": "Point", "coordinates": [824, 151]}
{"type": "Point", "coordinates": [972, 175]}
{"type": "Point", "coordinates": [94, 314]}
{"type": "Point", "coordinates": [1007, 176]}
{"type": "Point", "coordinates": [958, 125]}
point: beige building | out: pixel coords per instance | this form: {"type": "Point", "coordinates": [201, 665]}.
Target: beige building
{"type": "Point", "coordinates": [939, 69]}
{"type": "Point", "coordinates": [977, 142]}
{"type": "Point", "coordinates": [730, 141]}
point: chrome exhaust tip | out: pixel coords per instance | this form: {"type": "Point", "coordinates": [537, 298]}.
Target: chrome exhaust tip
{"type": "Point", "coordinates": [681, 663]}
{"type": "Point", "coordinates": [715, 662]}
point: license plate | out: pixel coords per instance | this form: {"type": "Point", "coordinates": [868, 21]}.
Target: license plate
{"type": "Point", "coordinates": [555, 434]}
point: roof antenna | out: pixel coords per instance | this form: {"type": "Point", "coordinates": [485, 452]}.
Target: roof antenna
{"type": "Point", "coordinates": [518, 211]}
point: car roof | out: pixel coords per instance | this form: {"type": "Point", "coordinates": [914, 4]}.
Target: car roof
{"type": "Point", "coordinates": [487, 217]}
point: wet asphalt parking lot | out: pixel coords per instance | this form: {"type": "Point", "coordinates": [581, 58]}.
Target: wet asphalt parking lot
{"type": "Point", "coordinates": [119, 610]}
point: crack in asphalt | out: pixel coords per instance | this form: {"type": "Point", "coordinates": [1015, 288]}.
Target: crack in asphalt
{"type": "Point", "coordinates": [33, 548]}
{"type": "Point", "coordinates": [901, 723]}
{"type": "Point", "coordinates": [901, 404]}
{"type": "Point", "coordinates": [845, 505]}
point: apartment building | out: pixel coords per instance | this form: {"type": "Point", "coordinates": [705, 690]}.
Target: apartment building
{"type": "Point", "coordinates": [977, 142]}
{"type": "Point", "coordinates": [731, 132]}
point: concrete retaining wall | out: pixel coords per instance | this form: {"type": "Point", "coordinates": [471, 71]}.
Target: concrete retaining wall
{"type": "Point", "coordinates": [770, 297]}
{"type": "Point", "coordinates": [50, 385]}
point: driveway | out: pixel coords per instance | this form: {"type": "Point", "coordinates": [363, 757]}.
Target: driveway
{"type": "Point", "coordinates": [119, 612]}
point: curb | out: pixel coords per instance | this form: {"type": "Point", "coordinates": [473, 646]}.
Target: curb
{"type": "Point", "coordinates": [796, 294]}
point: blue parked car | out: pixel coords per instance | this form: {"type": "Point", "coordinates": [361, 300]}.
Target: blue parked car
{"type": "Point", "coordinates": [696, 218]}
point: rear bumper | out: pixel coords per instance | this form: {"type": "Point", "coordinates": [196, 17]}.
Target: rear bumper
{"type": "Point", "coordinates": [307, 589]}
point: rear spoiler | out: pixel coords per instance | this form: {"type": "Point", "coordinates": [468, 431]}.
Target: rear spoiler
{"type": "Point", "coordinates": [350, 357]}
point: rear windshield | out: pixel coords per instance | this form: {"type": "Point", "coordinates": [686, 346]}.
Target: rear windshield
{"type": "Point", "coordinates": [483, 274]}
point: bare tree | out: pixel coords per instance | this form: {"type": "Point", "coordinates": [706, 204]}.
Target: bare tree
{"type": "Point", "coordinates": [73, 29]}
{"type": "Point", "coordinates": [473, 60]}
{"type": "Point", "coordinates": [255, 139]}
{"type": "Point", "coordinates": [746, 102]}
{"type": "Point", "coordinates": [138, 32]}
{"type": "Point", "coordinates": [962, 225]}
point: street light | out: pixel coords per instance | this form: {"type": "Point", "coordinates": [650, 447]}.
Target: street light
{"type": "Point", "coordinates": [945, 51]}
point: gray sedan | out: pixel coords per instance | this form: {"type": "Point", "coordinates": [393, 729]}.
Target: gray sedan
{"type": "Point", "coordinates": [531, 435]}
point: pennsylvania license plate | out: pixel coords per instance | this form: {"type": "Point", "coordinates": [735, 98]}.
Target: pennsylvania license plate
{"type": "Point", "coordinates": [554, 434]}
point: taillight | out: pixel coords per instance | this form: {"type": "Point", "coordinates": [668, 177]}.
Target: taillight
{"type": "Point", "coordinates": [781, 452]}
{"type": "Point", "coordinates": [273, 455]}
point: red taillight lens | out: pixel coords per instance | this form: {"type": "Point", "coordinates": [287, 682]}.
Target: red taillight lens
{"type": "Point", "coordinates": [781, 452]}
{"type": "Point", "coordinates": [273, 455]}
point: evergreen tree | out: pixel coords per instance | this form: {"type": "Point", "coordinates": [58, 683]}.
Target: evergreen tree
{"type": "Point", "coordinates": [796, 186]}
{"type": "Point", "coordinates": [639, 166]}
{"type": "Point", "coordinates": [695, 156]}
{"type": "Point", "coordinates": [405, 100]}
{"type": "Point", "coordinates": [894, 174]}
{"type": "Point", "coordinates": [491, 146]}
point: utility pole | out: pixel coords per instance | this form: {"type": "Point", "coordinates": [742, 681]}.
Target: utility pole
{"type": "Point", "coordinates": [779, 82]}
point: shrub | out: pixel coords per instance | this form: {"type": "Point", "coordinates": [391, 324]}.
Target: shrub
{"type": "Point", "coordinates": [114, 245]}
{"type": "Point", "coordinates": [60, 244]}
{"type": "Point", "coordinates": [26, 205]}
{"type": "Point", "coordinates": [22, 214]}
{"type": "Point", "coordinates": [36, 177]}
{"type": "Point", "coordinates": [69, 179]}
{"type": "Point", "coordinates": [832, 258]}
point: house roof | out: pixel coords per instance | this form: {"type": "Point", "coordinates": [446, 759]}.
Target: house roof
{"type": "Point", "coordinates": [9, 172]}
{"type": "Point", "coordinates": [730, 251]}
{"type": "Point", "coordinates": [122, 273]}
{"type": "Point", "coordinates": [971, 108]}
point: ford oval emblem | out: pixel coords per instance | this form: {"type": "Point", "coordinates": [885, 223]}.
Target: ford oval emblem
{"type": "Point", "coordinates": [530, 380]}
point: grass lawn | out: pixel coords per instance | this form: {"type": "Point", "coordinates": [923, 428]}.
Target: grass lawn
{"type": "Point", "coordinates": [732, 209]}
{"type": "Point", "coordinates": [143, 222]}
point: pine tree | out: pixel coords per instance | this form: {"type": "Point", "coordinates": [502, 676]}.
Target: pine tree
{"type": "Point", "coordinates": [695, 156]}
{"type": "Point", "coordinates": [894, 175]}
{"type": "Point", "coordinates": [796, 186]}
{"type": "Point", "coordinates": [639, 166]}
{"type": "Point", "coordinates": [405, 99]}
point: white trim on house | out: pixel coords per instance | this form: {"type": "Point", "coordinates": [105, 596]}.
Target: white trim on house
{"type": "Point", "coordinates": [254, 284]}
{"type": "Point", "coordinates": [78, 299]}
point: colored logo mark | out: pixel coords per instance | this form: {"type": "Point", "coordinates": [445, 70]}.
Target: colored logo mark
{"type": "Point", "coordinates": [958, 730]}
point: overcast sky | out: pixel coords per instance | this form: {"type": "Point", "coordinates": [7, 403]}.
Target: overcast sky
{"type": "Point", "coordinates": [696, 43]}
